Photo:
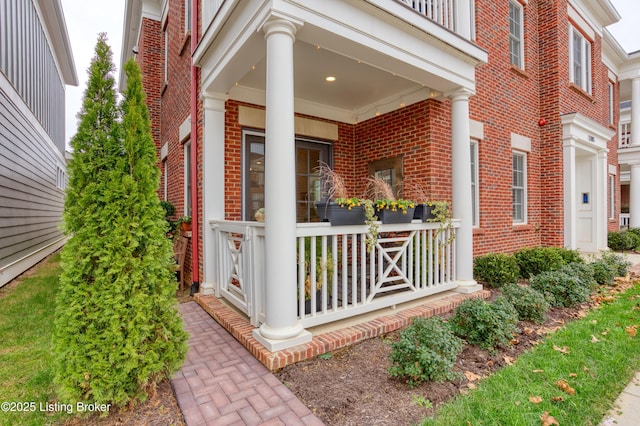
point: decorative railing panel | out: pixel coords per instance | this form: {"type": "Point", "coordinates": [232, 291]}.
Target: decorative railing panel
{"type": "Point", "coordinates": [440, 11]}
{"type": "Point", "coordinates": [339, 276]}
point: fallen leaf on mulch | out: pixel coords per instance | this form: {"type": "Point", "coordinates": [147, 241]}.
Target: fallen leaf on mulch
{"type": "Point", "coordinates": [565, 387]}
{"type": "Point", "coordinates": [472, 377]}
{"type": "Point", "coordinates": [535, 399]}
{"type": "Point", "coordinates": [509, 360]}
{"type": "Point", "coordinates": [565, 350]}
{"type": "Point", "coordinates": [548, 420]}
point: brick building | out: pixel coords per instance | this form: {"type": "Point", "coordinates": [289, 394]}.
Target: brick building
{"type": "Point", "coordinates": [507, 109]}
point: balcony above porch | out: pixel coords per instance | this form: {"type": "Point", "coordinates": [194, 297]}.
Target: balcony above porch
{"type": "Point", "coordinates": [384, 53]}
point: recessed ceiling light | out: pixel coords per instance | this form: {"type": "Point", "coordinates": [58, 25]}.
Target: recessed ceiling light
{"type": "Point", "coordinates": [330, 79]}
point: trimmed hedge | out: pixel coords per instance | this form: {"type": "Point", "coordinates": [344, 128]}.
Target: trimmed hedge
{"type": "Point", "coordinates": [528, 302]}
{"type": "Point", "coordinates": [496, 269]}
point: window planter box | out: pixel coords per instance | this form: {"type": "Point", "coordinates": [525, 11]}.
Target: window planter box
{"type": "Point", "coordinates": [424, 212]}
{"type": "Point", "coordinates": [340, 216]}
{"type": "Point", "coordinates": [398, 216]}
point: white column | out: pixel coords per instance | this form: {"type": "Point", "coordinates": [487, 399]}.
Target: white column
{"type": "Point", "coordinates": [602, 214]}
{"type": "Point", "coordinates": [461, 189]}
{"type": "Point", "coordinates": [281, 328]}
{"type": "Point", "coordinates": [635, 112]}
{"type": "Point", "coordinates": [634, 197]}
{"type": "Point", "coordinates": [213, 182]}
{"type": "Point", "coordinates": [570, 198]}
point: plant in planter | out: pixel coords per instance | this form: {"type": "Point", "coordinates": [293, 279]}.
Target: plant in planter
{"type": "Point", "coordinates": [184, 223]}
{"type": "Point", "coordinates": [388, 208]}
{"type": "Point", "coordinates": [338, 207]}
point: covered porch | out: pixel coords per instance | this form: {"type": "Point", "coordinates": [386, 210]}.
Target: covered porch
{"type": "Point", "coordinates": [265, 71]}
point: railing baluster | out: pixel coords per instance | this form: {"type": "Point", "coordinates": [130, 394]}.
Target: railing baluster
{"type": "Point", "coordinates": [363, 271]}
{"type": "Point", "coordinates": [301, 275]}
{"type": "Point", "coordinates": [325, 266]}
{"type": "Point", "coordinates": [345, 271]}
{"type": "Point", "coordinates": [354, 269]}
{"type": "Point", "coordinates": [334, 278]}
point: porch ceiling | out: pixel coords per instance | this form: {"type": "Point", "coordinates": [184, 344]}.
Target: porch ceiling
{"type": "Point", "coordinates": [358, 92]}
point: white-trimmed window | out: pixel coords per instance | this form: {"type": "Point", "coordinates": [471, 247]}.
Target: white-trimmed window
{"type": "Point", "coordinates": [187, 178]}
{"type": "Point", "coordinates": [516, 34]}
{"type": "Point", "coordinates": [611, 111]}
{"type": "Point", "coordinates": [519, 187]}
{"type": "Point", "coordinates": [61, 178]}
{"type": "Point", "coordinates": [579, 60]}
{"type": "Point", "coordinates": [187, 16]}
{"type": "Point", "coordinates": [475, 199]}
{"type": "Point", "coordinates": [612, 196]}
{"type": "Point", "coordinates": [624, 134]}
{"type": "Point", "coordinates": [166, 53]}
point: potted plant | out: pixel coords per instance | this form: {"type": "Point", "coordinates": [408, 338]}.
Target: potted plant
{"type": "Point", "coordinates": [388, 208]}
{"type": "Point", "coordinates": [185, 223]}
{"type": "Point", "coordinates": [338, 207]}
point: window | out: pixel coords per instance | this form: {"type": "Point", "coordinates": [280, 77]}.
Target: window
{"type": "Point", "coordinates": [516, 34]}
{"type": "Point", "coordinates": [166, 53]}
{"type": "Point", "coordinates": [519, 187]}
{"type": "Point", "coordinates": [61, 178]}
{"type": "Point", "coordinates": [309, 154]}
{"type": "Point", "coordinates": [625, 134]}
{"type": "Point", "coordinates": [580, 60]}
{"type": "Point", "coordinates": [475, 199]}
{"type": "Point", "coordinates": [187, 178]}
{"type": "Point", "coordinates": [187, 16]}
{"type": "Point", "coordinates": [165, 179]}
{"type": "Point", "coordinates": [611, 117]}
{"type": "Point", "coordinates": [612, 196]}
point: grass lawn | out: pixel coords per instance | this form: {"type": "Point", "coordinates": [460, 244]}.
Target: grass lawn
{"type": "Point", "coordinates": [26, 373]}
{"type": "Point", "coordinates": [596, 357]}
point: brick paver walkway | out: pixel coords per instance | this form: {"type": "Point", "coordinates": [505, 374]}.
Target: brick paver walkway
{"type": "Point", "coordinates": [220, 383]}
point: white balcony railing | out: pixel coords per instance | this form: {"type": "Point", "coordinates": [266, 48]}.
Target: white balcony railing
{"type": "Point", "coordinates": [440, 11]}
{"type": "Point", "coordinates": [625, 218]}
{"type": "Point", "coordinates": [409, 262]}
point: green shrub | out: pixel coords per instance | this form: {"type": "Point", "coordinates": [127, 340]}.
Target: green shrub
{"type": "Point", "coordinates": [533, 261]}
{"type": "Point", "coordinates": [568, 255]}
{"type": "Point", "coordinates": [623, 240]}
{"type": "Point", "coordinates": [582, 271]}
{"type": "Point", "coordinates": [486, 324]}
{"type": "Point", "coordinates": [620, 264]}
{"type": "Point", "coordinates": [427, 350]}
{"type": "Point", "coordinates": [560, 289]}
{"type": "Point", "coordinates": [496, 269]}
{"type": "Point", "coordinates": [609, 266]}
{"type": "Point", "coordinates": [529, 303]}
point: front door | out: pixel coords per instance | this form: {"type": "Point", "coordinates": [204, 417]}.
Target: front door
{"type": "Point", "coordinates": [586, 206]}
{"type": "Point", "coordinates": [309, 155]}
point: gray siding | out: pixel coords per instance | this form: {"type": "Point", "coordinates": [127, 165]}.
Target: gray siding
{"type": "Point", "coordinates": [31, 203]}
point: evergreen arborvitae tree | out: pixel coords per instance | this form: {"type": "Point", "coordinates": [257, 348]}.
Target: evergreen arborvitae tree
{"type": "Point", "coordinates": [117, 331]}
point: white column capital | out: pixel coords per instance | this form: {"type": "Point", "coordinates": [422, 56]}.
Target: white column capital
{"type": "Point", "coordinates": [277, 25]}
{"type": "Point", "coordinates": [213, 101]}
{"type": "Point", "coordinates": [460, 94]}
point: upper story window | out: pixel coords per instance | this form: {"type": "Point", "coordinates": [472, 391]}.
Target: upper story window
{"type": "Point", "coordinates": [187, 16]}
{"type": "Point", "coordinates": [516, 34]}
{"type": "Point", "coordinates": [579, 60]}
{"type": "Point", "coordinates": [611, 110]}
{"type": "Point", "coordinates": [166, 53]}
{"type": "Point", "coordinates": [624, 134]}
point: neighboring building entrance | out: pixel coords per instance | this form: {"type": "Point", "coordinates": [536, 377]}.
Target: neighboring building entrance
{"type": "Point", "coordinates": [309, 155]}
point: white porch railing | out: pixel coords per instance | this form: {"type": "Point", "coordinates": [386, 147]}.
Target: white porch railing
{"type": "Point", "coordinates": [409, 262]}
{"type": "Point", "coordinates": [440, 11]}
{"type": "Point", "coordinates": [624, 220]}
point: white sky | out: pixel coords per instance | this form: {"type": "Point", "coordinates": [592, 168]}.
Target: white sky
{"type": "Point", "coordinates": [86, 18]}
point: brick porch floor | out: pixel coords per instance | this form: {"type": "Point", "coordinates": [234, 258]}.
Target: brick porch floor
{"type": "Point", "coordinates": [322, 342]}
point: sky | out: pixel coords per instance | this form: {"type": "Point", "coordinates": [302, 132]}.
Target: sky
{"type": "Point", "coordinates": [86, 18]}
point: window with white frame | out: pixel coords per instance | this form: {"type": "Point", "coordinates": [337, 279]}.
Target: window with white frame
{"type": "Point", "coordinates": [166, 53]}
{"type": "Point", "coordinates": [187, 178]}
{"type": "Point", "coordinates": [187, 16]}
{"type": "Point", "coordinates": [61, 178]}
{"type": "Point", "coordinates": [579, 60]}
{"type": "Point", "coordinates": [612, 196]}
{"type": "Point", "coordinates": [516, 34]}
{"type": "Point", "coordinates": [475, 199]}
{"type": "Point", "coordinates": [519, 187]}
{"type": "Point", "coordinates": [624, 134]}
{"type": "Point", "coordinates": [611, 111]}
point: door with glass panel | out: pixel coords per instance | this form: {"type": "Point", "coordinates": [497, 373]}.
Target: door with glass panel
{"type": "Point", "coordinates": [309, 154]}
